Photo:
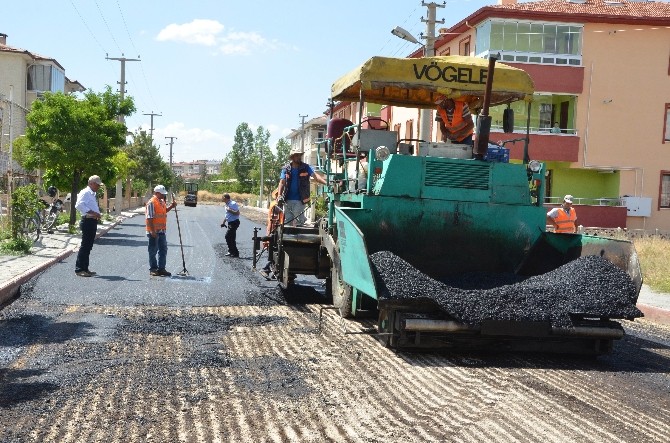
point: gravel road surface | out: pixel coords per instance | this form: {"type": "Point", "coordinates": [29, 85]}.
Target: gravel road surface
{"type": "Point", "coordinates": [226, 357]}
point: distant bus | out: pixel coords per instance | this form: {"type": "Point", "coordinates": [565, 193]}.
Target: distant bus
{"type": "Point", "coordinates": [191, 198]}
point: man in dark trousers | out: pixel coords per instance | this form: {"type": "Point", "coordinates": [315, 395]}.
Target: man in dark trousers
{"type": "Point", "coordinates": [87, 205]}
{"type": "Point", "coordinates": [232, 221]}
{"type": "Point", "coordinates": [155, 213]}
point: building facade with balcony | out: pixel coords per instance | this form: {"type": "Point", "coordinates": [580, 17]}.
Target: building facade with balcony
{"type": "Point", "coordinates": [196, 169]}
{"type": "Point", "coordinates": [601, 70]}
{"type": "Point", "coordinates": [308, 137]}
{"type": "Point", "coordinates": [24, 77]}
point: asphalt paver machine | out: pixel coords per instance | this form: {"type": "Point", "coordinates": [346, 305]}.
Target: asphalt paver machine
{"type": "Point", "coordinates": [446, 209]}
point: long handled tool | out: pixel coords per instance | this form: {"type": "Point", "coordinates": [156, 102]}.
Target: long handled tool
{"type": "Point", "coordinates": [183, 272]}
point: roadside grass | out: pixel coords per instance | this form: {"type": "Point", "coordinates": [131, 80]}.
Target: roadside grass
{"type": "Point", "coordinates": [654, 255]}
{"type": "Point", "coordinates": [211, 197]}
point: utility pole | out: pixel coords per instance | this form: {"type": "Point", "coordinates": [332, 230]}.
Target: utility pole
{"type": "Point", "coordinates": [118, 199]}
{"type": "Point", "coordinates": [426, 115]}
{"type": "Point", "coordinates": [260, 195]}
{"type": "Point", "coordinates": [122, 83]}
{"type": "Point", "coordinates": [151, 129]}
{"type": "Point", "coordinates": [172, 139]}
{"type": "Point", "coordinates": [10, 171]}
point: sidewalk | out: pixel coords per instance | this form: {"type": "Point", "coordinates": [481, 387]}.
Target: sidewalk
{"type": "Point", "coordinates": [654, 305]}
{"type": "Point", "coordinates": [50, 249]}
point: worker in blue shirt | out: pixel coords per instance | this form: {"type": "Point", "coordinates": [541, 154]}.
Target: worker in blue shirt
{"type": "Point", "coordinates": [294, 187]}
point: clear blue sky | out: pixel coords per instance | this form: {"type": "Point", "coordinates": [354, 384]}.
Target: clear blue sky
{"type": "Point", "coordinates": [209, 65]}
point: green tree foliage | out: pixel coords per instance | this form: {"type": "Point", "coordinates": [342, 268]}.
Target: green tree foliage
{"type": "Point", "coordinates": [149, 167]}
{"type": "Point", "coordinates": [72, 139]}
{"type": "Point", "coordinates": [242, 165]}
{"type": "Point", "coordinates": [283, 149]}
{"type": "Point", "coordinates": [262, 152]}
{"type": "Point", "coordinates": [240, 157]}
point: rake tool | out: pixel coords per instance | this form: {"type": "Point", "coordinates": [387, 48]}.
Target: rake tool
{"type": "Point", "coordinates": [183, 272]}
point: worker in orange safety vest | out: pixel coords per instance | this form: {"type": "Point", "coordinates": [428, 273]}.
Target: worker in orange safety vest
{"type": "Point", "coordinates": [455, 121]}
{"type": "Point", "coordinates": [156, 223]}
{"type": "Point", "coordinates": [563, 219]}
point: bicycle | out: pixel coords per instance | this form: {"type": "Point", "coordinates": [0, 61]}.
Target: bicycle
{"type": "Point", "coordinates": [32, 227]}
{"type": "Point", "coordinates": [45, 218]}
{"type": "Point", "coordinates": [52, 211]}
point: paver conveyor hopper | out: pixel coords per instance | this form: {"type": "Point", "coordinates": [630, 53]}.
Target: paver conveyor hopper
{"type": "Point", "coordinates": [400, 235]}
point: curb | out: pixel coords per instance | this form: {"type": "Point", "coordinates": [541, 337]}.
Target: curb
{"type": "Point", "coordinates": [655, 314]}
{"type": "Point", "coordinates": [10, 289]}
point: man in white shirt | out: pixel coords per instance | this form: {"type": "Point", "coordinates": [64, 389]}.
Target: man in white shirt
{"type": "Point", "coordinates": [232, 222]}
{"type": "Point", "coordinates": [87, 205]}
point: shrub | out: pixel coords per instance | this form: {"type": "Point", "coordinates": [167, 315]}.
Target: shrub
{"type": "Point", "coordinates": [20, 245]}
{"type": "Point", "coordinates": [25, 204]}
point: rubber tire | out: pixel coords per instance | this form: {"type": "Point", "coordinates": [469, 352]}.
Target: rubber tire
{"type": "Point", "coordinates": [329, 290]}
{"type": "Point", "coordinates": [50, 220]}
{"type": "Point", "coordinates": [31, 229]}
{"type": "Point", "coordinates": [341, 293]}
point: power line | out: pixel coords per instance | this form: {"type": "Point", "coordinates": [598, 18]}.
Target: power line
{"type": "Point", "coordinates": [87, 27]}
{"type": "Point", "coordinates": [146, 81]}
{"type": "Point", "coordinates": [392, 39]}
{"type": "Point", "coordinates": [107, 25]}
{"type": "Point", "coordinates": [125, 25]}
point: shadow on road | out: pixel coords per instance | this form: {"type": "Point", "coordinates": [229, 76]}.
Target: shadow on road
{"type": "Point", "coordinates": [14, 390]}
{"type": "Point", "coordinates": [26, 330]}
{"type": "Point", "coordinates": [115, 278]}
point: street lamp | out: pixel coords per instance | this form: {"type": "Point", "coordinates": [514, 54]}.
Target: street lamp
{"type": "Point", "coordinates": [404, 34]}
{"type": "Point", "coordinates": [425, 115]}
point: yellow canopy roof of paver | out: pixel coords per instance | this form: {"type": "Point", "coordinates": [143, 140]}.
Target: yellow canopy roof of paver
{"type": "Point", "coordinates": [420, 82]}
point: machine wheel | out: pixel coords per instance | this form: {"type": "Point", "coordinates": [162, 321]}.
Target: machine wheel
{"type": "Point", "coordinates": [329, 290]}
{"type": "Point", "coordinates": [341, 293]}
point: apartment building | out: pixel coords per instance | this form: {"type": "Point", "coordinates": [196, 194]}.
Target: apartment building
{"type": "Point", "coordinates": [307, 138]}
{"type": "Point", "coordinates": [196, 169]}
{"type": "Point", "coordinates": [24, 77]}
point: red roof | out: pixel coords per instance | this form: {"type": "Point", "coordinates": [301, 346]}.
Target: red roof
{"type": "Point", "coordinates": [574, 11]}
{"type": "Point", "coordinates": [34, 56]}
{"type": "Point", "coordinates": [598, 8]}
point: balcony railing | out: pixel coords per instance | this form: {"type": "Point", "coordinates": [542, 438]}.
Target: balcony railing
{"type": "Point", "coordinates": [603, 201]}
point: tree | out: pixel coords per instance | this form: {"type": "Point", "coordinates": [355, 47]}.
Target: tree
{"type": "Point", "coordinates": [240, 156]}
{"type": "Point", "coordinates": [71, 139]}
{"type": "Point", "coordinates": [274, 168]}
{"type": "Point", "coordinates": [261, 145]}
{"type": "Point", "coordinates": [150, 168]}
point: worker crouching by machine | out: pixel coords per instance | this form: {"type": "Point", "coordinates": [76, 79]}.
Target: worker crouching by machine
{"type": "Point", "coordinates": [275, 218]}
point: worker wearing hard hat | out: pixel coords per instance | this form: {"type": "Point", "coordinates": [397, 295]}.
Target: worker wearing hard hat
{"type": "Point", "coordinates": [156, 221]}
{"type": "Point", "coordinates": [563, 219]}
{"type": "Point", "coordinates": [294, 187]}
{"type": "Point", "coordinates": [455, 121]}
